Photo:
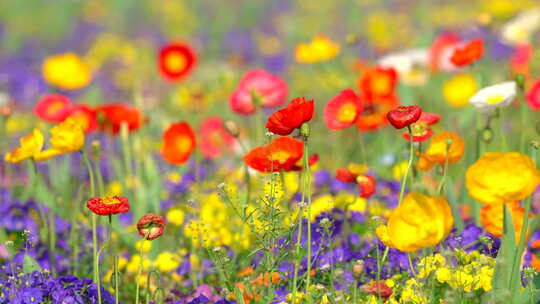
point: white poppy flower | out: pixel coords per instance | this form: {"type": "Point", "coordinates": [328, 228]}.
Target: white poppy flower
{"type": "Point", "coordinates": [409, 64]}
{"type": "Point", "coordinates": [495, 96]}
{"type": "Point", "coordinates": [520, 29]}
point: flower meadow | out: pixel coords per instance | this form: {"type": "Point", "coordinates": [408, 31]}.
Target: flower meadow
{"type": "Point", "coordinates": [255, 152]}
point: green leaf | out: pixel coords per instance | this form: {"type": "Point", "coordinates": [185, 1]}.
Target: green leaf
{"type": "Point", "coordinates": [30, 265]}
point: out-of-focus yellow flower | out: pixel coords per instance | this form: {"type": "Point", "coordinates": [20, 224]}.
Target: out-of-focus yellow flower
{"type": "Point", "coordinates": [520, 29]}
{"type": "Point", "coordinates": [114, 188]}
{"type": "Point", "coordinates": [419, 222]}
{"type": "Point", "coordinates": [167, 261]}
{"type": "Point", "coordinates": [66, 71]}
{"type": "Point", "coordinates": [29, 146]}
{"type": "Point", "coordinates": [386, 29]}
{"type": "Point", "coordinates": [319, 49]}
{"type": "Point", "coordinates": [176, 217]}
{"type": "Point", "coordinates": [67, 137]}
{"type": "Point", "coordinates": [459, 89]}
{"type": "Point", "coordinates": [498, 178]}
{"type": "Point", "coordinates": [399, 170]}
{"type": "Point", "coordinates": [146, 246]}
{"type": "Point", "coordinates": [445, 145]}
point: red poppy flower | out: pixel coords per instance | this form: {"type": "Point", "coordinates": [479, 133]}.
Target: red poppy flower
{"type": "Point", "coordinates": [366, 185]}
{"type": "Point", "coordinates": [420, 129]}
{"type": "Point", "coordinates": [403, 116]}
{"type": "Point", "coordinates": [374, 114]}
{"type": "Point", "coordinates": [281, 154]}
{"type": "Point", "coordinates": [258, 88]}
{"type": "Point", "coordinates": [522, 56]}
{"type": "Point", "coordinates": [178, 143]}
{"type": "Point", "coordinates": [111, 116]}
{"type": "Point", "coordinates": [341, 111]}
{"type": "Point", "coordinates": [151, 226]}
{"type": "Point", "coordinates": [53, 108]}
{"type": "Point", "coordinates": [215, 138]}
{"type": "Point", "coordinates": [176, 60]}
{"type": "Point", "coordinates": [108, 205]}
{"type": "Point", "coordinates": [299, 166]}
{"type": "Point", "coordinates": [345, 175]}
{"type": "Point", "coordinates": [377, 289]}
{"type": "Point", "coordinates": [378, 82]}
{"type": "Point", "coordinates": [533, 96]}
{"type": "Point", "coordinates": [85, 116]}
{"type": "Point", "coordinates": [285, 121]}
{"type": "Point", "coordinates": [441, 50]}
{"type": "Point", "coordinates": [468, 53]}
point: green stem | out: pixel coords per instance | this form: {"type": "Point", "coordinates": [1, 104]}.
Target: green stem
{"type": "Point", "coordinates": [139, 272]}
{"type": "Point", "coordinates": [308, 194]}
{"type": "Point", "coordinates": [94, 226]}
{"type": "Point", "coordinates": [445, 170]}
{"type": "Point", "coordinates": [409, 164]}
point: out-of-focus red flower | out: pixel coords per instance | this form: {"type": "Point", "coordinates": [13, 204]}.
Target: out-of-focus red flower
{"type": "Point", "coordinates": [403, 116]}
{"type": "Point", "coordinates": [111, 116]}
{"type": "Point", "coordinates": [151, 226]}
{"type": "Point", "coordinates": [285, 121]}
{"type": "Point", "coordinates": [346, 176]}
{"type": "Point", "coordinates": [468, 53]}
{"type": "Point", "coordinates": [366, 185]}
{"type": "Point", "coordinates": [519, 62]}
{"type": "Point", "coordinates": [215, 138]}
{"type": "Point", "coordinates": [341, 111]}
{"type": "Point", "coordinates": [84, 115]}
{"type": "Point", "coordinates": [374, 114]}
{"type": "Point", "coordinates": [53, 108]}
{"type": "Point", "coordinates": [441, 51]}
{"type": "Point", "coordinates": [176, 60]}
{"type": "Point", "coordinates": [533, 96]}
{"type": "Point", "coordinates": [299, 166]}
{"type": "Point", "coordinates": [258, 88]}
{"type": "Point", "coordinates": [377, 288]}
{"type": "Point", "coordinates": [281, 154]}
{"type": "Point", "coordinates": [420, 129]}
{"type": "Point", "coordinates": [378, 82]}
{"type": "Point", "coordinates": [178, 143]}
{"type": "Point", "coordinates": [108, 205]}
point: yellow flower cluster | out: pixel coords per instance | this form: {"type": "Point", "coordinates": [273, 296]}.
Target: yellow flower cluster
{"type": "Point", "coordinates": [66, 71]}
{"type": "Point", "coordinates": [319, 49]}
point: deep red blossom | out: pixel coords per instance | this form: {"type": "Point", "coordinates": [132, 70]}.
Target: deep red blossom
{"type": "Point", "coordinates": [366, 185]}
{"type": "Point", "coordinates": [112, 116]}
{"type": "Point", "coordinates": [403, 116]}
{"type": "Point", "coordinates": [420, 129]}
{"type": "Point", "coordinates": [286, 120]}
{"type": "Point", "coordinates": [108, 205]}
{"type": "Point", "coordinates": [151, 226]}
{"type": "Point", "coordinates": [345, 175]}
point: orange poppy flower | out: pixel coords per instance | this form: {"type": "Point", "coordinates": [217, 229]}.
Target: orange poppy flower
{"type": "Point", "coordinates": [111, 117]}
{"type": "Point", "coordinates": [281, 154]}
{"type": "Point", "coordinates": [378, 82]}
{"type": "Point", "coordinates": [420, 129]}
{"type": "Point", "coordinates": [374, 114]}
{"type": "Point", "coordinates": [285, 121]}
{"type": "Point", "coordinates": [85, 116]}
{"type": "Point", "coordinates": [468, 53]}
{"type": "Point", "coordinates": [491, 217]}
{"type": "Point", "coordinates": [176, 60]}
{"type": "Point", "coordinates": [178, 143]}
{"type": "Point", "coordinates": [215, 138]}
{"type": "Point", "coordinates": [341, 111]}
{"type": "Point", "coordinates": [53, 108]}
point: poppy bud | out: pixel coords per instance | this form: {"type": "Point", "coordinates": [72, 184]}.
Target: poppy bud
{"type": "Point", "coordinates": [232, 128]}
{"type": "Point", "coordinates": [403, 116]}
{"type": "Point", "coordinates": [520, 81]}
{"type": "Point", "coordinates": [151, 226]}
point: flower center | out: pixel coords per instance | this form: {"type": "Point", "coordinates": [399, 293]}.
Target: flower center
{"type": "Point", "coordinates": [110, 201]}
{"type": "Point", "coordinates": [183, 143]}
{"type": "Point", "coordinates": [279, 156]}
{"type": "Point", "coordinates": [175, 62]}
{"type": "Point", "coordinates": [347, 112]}
{"type": "Point", "coordinates": [54, 107]}
{"type": "Point", "coordinates": [495, 99]}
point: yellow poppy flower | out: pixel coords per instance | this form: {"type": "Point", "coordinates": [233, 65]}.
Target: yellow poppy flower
{"type": "Point", "coordinates": [66, 71]}
{"type": "Point", "coordinates": [498, 178]}
{"type": "Point", "coordinates": [67, 137]}
{"type": "Point", "coordinates": [458, 90]}
{"type": "Point", "coordinates": [438, 149]}
{"type": "Point", "coordinates": [29, 146]}
{"type": "Point", "coordinates": [419, 222]}
{"type": "Point", "coordinates": [320, 49]}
